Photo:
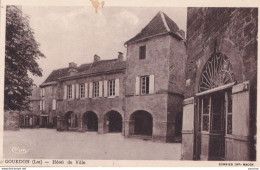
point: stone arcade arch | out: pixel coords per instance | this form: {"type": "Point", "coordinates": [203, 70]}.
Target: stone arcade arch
{"type": "Point", "coordinates": [71, 120]}
{"type": "Point", "coordinates": [90, 121]}
{"type": "Point", "coordinates": [113, 122]}
{"type": "Point", "coordinates": [141, 123]}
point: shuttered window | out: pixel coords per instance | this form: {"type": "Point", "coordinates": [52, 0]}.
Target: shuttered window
{"type": "Point", "coordinates": [145, 84]}
{"type": "Point", "coordinates": [82, 91]}
{"type": "Point", "coordinates": [96, 89]}
{"type": "Point", "coordinates": [69, 91]}
{"type": "Point", "coordinates": [111, 88]}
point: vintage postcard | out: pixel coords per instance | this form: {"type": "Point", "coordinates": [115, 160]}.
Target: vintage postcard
{"type": "Point", "coordinates": [129, 83]}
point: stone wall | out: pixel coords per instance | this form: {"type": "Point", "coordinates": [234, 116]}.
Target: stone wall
{"type": "Point", "coordinates": [231, 31]}
{"type": "Point", "coordinates": [11, 120]}
{"type": "Point", "coordinates": [165, 59]}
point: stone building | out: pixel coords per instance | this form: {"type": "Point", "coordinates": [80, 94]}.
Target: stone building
{"type": "Point", "coordinates": [140, 97]}
{"type": "Point", "coordinates": [89, 97]}
{"type": "Point", "coordinates": [219, 112]}
{"type": "Point", "coordinates": [155, 80]}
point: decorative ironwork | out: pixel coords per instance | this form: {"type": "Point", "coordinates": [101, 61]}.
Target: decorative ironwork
{"type": "Point", "coordinates": [216, 72]}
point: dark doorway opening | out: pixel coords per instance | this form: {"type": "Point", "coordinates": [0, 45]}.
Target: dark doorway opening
{"type": "Point", "coordinates": [113, 121]}
{"type": "Point", "coordinates": [178, 125]}
{"type": "Point", "coordinates": [44, 121]}
{"type": "Point", "coordinates": [90, 120]}
{"type": "Point", "coordinates": [71, 120]}
{"type": "Point", "coordinates": [142, 122]}
{"type": "Point", "coordinates": [55, 121]}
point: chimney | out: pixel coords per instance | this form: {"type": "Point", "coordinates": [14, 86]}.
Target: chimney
{"type": "Point", "coordinates": [72, 65]}
{"type": "Point", "coordinates": [96, 58]}
{"type": "Point", "coordinates": [72, 68]}
{"type": "Point", "coordinates": [120, 56]}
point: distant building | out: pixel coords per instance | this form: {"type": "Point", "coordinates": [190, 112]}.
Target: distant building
{"type": "Point", "coordinates": [219, 118]}
{"type": "Point", "coordinates": [32, 118]}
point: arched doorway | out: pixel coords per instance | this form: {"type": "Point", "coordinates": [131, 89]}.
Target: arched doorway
{"type": "Point", "coordinates": [113, 121]}
{"type": "Point", "coordinates": [141, 123]}
{"type": "Point", "coordinates": [71, 120]}
{"type": "Point", "coordinates": [213, 120]}
{"type": "Point", "coordinates": [90, 121]}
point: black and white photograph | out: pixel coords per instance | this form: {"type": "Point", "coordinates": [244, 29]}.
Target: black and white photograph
{"type": "Point", "coordinates": [100, 82]}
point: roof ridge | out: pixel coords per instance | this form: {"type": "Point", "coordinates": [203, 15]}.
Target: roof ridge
{"type": "Point", "coordinates": [164, 21]}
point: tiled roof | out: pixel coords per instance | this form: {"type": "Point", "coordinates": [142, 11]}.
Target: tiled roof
{"type": "Point", "coordinates": [160, 24]}
{"type": "Point", "coordinates": [89, 68]}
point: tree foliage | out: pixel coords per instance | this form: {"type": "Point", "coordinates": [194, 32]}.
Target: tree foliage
{"type": "Point", "coordinates": [21, 53]}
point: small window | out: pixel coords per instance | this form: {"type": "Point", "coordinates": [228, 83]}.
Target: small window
{"type": "Point", "coordinates": [142, 52]}
{"type": "Point", "coordinates": [69, 92]}
{"type": "Point", "coordinates": [145, 85]}
{"type": "Point", "coordinates": [82, 90]}
{"type": "Point", "coordinates": [111, 88]}
{"type": "Point", "coordinates": [96, 89]}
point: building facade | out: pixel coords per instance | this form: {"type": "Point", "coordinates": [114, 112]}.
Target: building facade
{"type": "Point", "coordinates": [140, 97]}
{"type": "Point", "coordinates": [86, 98]}
{"type": "Point", "coordinates": [155, 80]}
{"type": "Point", "coordinates": [219, 118]}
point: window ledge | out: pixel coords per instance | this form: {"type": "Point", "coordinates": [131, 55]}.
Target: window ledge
{"type": "Point", "coordinates": [110, 97]}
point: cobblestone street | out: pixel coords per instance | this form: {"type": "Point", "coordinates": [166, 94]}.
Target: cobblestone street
{"type": "Point", "coordinates": [51, 144]}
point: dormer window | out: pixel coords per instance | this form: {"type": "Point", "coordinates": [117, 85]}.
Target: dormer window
{"type": "Point", "coordinates": [142, 52]}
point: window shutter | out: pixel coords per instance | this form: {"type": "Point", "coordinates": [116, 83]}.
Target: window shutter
{"type": "Point", "coordinates": [90, 89]}
{"type": "Point", "coordinates": [73, 91]}
{"type": "Point", "coordinates": [100, 88]}
{"type": "Point", "coordinates": [77, 91]}
{"type": "Point", "coordinates": [86, 90]}
{"type": "Point", "coordinates": [117, 87]}
{"type": "Point", "coordinates": [137, 85]}
{"type": "Point", "coordinates": [53, 104]}
{"type": "Point", "coordinates": [40, 104]}
{"type": "Point", "coordinates": [151, 84]}
{"type": "Point", "coordinates": [105, 88]}
{"type": "Point", "coordinates": [43, 105]}
{"type": "Point", "coordinates": [65, 93]}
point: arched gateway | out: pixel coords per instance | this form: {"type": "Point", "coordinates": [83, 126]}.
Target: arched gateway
{"type": "Point", "coordinates": [113, 121]}
{"type": "Point", "coordinates": [141, 123]}
{"type": "Point", "coordinates": [90, 121]}
{"type": "Point", "coordinates": [214, 118]}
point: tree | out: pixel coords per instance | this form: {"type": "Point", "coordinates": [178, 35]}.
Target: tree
{"type": "Point", "coordinates": [21, 53]}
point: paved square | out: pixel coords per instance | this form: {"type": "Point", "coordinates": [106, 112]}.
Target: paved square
{"type": "Point", "coordinates": [51, 144]}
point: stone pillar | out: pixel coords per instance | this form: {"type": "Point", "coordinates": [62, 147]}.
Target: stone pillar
{"type": "Point", "coordinates": [187, 151]}
{"type": "Point", "coordinates": [159, 131]}
{"type": "Point", "coordinates": [170, 135]}
{"type": "Point", "coordinates": [126, 128]}
{"type": "Point", "coordinates": [100, 125]}
{"type": "Point", "coordinates": [80, 124]}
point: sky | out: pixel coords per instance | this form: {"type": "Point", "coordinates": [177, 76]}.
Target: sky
{"type": "Point", "coordinates": [76, 34]}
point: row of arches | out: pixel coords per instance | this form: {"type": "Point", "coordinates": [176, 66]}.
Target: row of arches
{"type": "Point", "coordinates": [140, 123]}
